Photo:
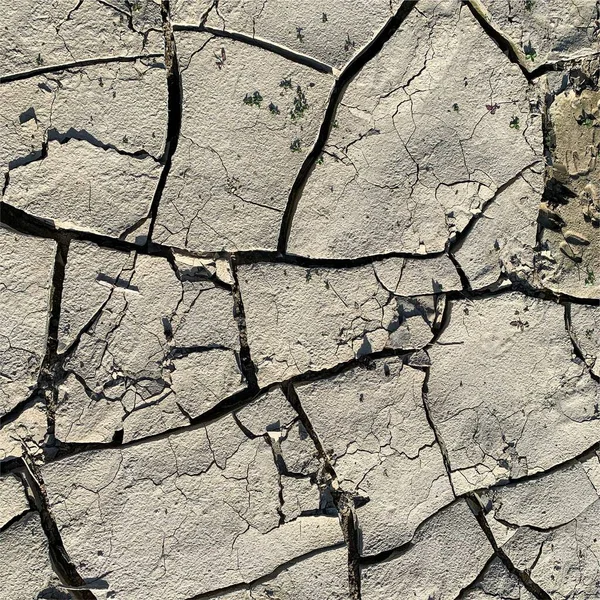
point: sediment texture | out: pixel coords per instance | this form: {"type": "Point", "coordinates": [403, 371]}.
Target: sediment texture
{"type": "Point", "coordinates": [301, 300]}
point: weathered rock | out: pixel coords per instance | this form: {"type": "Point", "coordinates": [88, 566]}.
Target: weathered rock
{"type": "Point", "coordinates": [309, 319]}
{"type": "Point", "coordinates": [169, 518]}
{"type": "Point", "coordinates": [26, 268]}
{"type": "Point", "coordinates": [447, 553]}
{"type": "Point", "coordinates": [24, 561]}
{"type": "Point", "coordinates": [13, 501]}
{"type": "Point", "coordinates": [332, 33]}
{"type": "Point", "coordinates": [54, 33]}
{"type": "Point", "coordinates": [248, 121]}
{"type": "Point", "coordinates": [372, 423]}
{"type": "Point", "coordinates": [81, 186]}
{"type": "Point", "coordinates": [506, 394]}
{"type": "Point", "coordinates": [418, 146]}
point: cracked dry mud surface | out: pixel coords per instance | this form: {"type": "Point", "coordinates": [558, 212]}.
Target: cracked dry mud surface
{"type": "Point", "coordinates": [301, 300]}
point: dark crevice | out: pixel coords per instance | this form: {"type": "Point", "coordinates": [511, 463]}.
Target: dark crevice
{"type": "Point", "coordinates": [15, 519]}
{"type": "Point", "coordinates": [74, 65]}
{"type": "Point", "coordinates": [218, 593]}
{"type": "Point", "coordinates": [287, 53]}
{"type": "Point", "coordinates": [174, 118]}
{"type": "Point", "coordinates": [432, 426]}
{"type": "Point", "coordinates": [59, 558]}
{"type": "Point", "coordinates": [343, 501]}
{"type": "Point", "coordinates": [51, 364]}
{"type": "Point", "coordinates": [247, 366]}
{"type": "Point", "coordinates": [347, 75]}
{"type": "Point", "coordinates": [85, 136]}
{"type": "Point", "coordinates": [522, 575]}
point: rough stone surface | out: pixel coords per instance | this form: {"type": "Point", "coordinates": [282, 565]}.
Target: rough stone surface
{"type": "Point", "coordinates": [300, 300]}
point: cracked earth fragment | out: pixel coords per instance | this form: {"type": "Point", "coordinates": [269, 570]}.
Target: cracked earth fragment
{"type": "Point", "coordinates": [299, 300]}
{"type": "Point", "coordinates": [372, 423]}
{"type": "Point", "coordinates": [146, 347]}
{"type": "Point", "coordinates": [245, 131]}
{"type": "Point", "coordinates": [507, 394]}
{"type": "Point", "coordinates": [38, 36]}
{"type": "Point", "coordinates": [301, 319]}
{"type": "Point", "coordinates": [416, 147]}
{"type": "Point", "coordinates": [208, 496]}
{"type": "Point", "coordinates": [331, 33]}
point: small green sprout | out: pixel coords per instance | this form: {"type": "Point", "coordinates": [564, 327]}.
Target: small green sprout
{"type": "Point", "coordinates": [590, 278]}
{"type": "Point", "coordinates": [39, 60]}
{"type": "Point", "coordinates": [274, 109]}
{"type": "Point", "coordinates": [455, 107]}
{"type": "Point", "coordinates": [296, 145]}
{"type": "Point", "coordinates": [530, 53]}
{"type": "Point", "coordinates": [300, 104]}
{"type": "Point", "coordinates": [324, 18]}
{"type": "Point", "coordinates": [286, 84]}
{"type": "Point", "coordinates": [253, 99]}
{"type": "Point", "coordinates": [514, 123]}
{"type": "Point", "coordinates": [299, 35]}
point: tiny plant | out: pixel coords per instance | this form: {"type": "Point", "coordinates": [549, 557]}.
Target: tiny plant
{"type": "Point", "coordinates": [136, 6]}
{"type": "Point", "coordinates": [514, 123]}
{"type": "Point", "coordinates": [324, 18]}
{"type": "Point", "coordinates": [590, 277]}
{"type": "Point", "coordinates": [299, 34]}
{"type": "Point", "coordinates": [300, 104]}
{"type": "Point", "coordinates": [253, 99]}
{"type": "Point", "coordinates": [530, 53]}
{"type": "Point", "coordinates": [220, 58]}
{"type": "Point", "coordinates": [320, 160]}
{"type": "Point", "coordinates": [39, 60]}
{"type": "Point", "coordinates": [455, 107]}
{"type": "Point", "coordinates": [286, 84]}
{"type": "Point", "coordinates": [586, 119]}
{"type": "Point", "coordinates": [274, 109]}
{"type": "Point", "coordinates": [348, 44]}
{"type": "Point", "coordinates": [296, 145]}
{"type": "Point", "coordinates": [492, 108]}
{"type": "Point", "coordinates": [335, 124]}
